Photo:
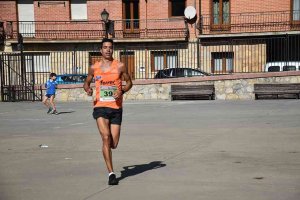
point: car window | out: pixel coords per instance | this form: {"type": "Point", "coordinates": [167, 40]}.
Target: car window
{"type": "Point", "coordinates": [82, 78]}
{"type": "Point", "coordinates": [167, 73]}
{"type": "Point", "coordinates": [177, 72]}
{"type": "Point", "coordinates": [188, 73]}
{"type": "Point", "coordinates": [289, 68]}
{"type": "Point", "coordinates": [71, 78]}
{"type": "Point", "coordinates": [274, 69]}
{"type": "Point", "coordinates": [163, 73]}
{"type": "Point", "coordinates": [66, 78]}
{"type": "Point", "coordinates": [192, 72]}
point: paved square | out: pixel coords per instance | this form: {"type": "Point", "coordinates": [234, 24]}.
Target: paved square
{"type": "Point", "coordinates": [210, 150]}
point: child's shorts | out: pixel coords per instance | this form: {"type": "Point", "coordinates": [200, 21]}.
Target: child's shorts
{"type": "Point", "coordinates": [49, 95]}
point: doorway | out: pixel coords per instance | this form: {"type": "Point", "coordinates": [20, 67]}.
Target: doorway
{"type": "Point", "coordinates": [131, 17]}
{"type": "Point", "coordinates": [128, 59]}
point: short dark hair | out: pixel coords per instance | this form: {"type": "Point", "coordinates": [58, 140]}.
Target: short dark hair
{"type": "Point", "coordinates": [52, 74]}
{"type": "Point", "coordinates": [106, 40]}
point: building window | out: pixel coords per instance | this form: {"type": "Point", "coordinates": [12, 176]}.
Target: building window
{"type": "Point", "coordinates": [296, 10]}
{"type": "Point", "coordinates": [176, 8]}
{"type": "Point", "coordinates": [131, 15]}
{"type": "Point", "coordinates": [222, 62]}
{"type": "Point", "coordinates": [78, 10]}
{"type": "Point", "coordinates": [220, 14]}
{"type": "Point", "coordinates": [38, 62]}
{"type": "Point", "coordinates": [94, 57]}
{"type": "Point", "coordinates": [163, 60]}
{"type": "Point", "coordinates": [26, 18]}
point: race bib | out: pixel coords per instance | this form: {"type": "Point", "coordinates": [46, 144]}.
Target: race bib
{"type": "Point", "coordinates": [107, 92]}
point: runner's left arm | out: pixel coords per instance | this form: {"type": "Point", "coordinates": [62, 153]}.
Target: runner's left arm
{"type": "Point", "coordinates": [127, 79]}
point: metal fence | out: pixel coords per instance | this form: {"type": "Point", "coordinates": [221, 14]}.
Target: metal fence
{"type": "Point", "coordinates": [119, 29]}
{"type": "Point", "coordinates": [149, 61]}
{"type": "Point", "coordinates": [18, 78]}
{"type": "Point", "coordinates": [275, 21]}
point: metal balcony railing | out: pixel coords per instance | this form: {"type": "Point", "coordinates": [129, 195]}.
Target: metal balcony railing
{"type": "Point", "coordinates": [255, 22]}
{"type": "Point", "coordinates": [119, 29]}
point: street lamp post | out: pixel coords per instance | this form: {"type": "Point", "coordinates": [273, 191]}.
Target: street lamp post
{"type": "Point", "coordinates": [104, 17]}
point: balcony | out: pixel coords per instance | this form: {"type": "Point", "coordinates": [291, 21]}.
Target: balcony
{"type": "Point", "coordinates": [174, 29]}
{"type": "Point", "coordinates": [238, 23]}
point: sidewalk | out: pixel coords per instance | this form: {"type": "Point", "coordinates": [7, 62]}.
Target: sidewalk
{"type": "Point", "coordinates": [185, 150]}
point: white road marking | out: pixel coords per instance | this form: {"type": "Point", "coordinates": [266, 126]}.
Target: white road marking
{"type": "Point", "coordinates": [20, 135]}
{"type": "Point", "coordinates": [27, 119]}
{"type": "Point", "coordinates": [4, 113]}
{"type": "Point", "coordinates": [76, 124]}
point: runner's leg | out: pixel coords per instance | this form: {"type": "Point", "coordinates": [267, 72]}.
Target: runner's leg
{"type": "Point", "coordinates": [45, 102]}
{"type": "Point", "coordinates": [103, 127]}
{"type": "Point", "coordinates": [52, 102]}
{"type": "Point", "coordinates": [115, 133]}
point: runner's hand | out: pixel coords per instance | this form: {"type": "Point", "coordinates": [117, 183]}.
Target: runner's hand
{"type": "Point", "coordinates": [89, 92]}
{"type": "Point", "coordinates": [118, 94]}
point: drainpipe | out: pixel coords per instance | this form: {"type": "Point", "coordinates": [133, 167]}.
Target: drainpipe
{"type": "Point", "coordinates": [146, 17]}
{"type": "Point", "coordinates": [198, 39]}
{"type": "Point", "coordinates": [17, 17]}
{"type": "Point", "coordinates": [146, 50]}
{"type": "Point", "coordinates": [195, 29]}
{"type": "Point", "coordinates": [200, 18]}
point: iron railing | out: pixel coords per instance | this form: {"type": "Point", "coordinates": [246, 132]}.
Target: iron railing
{"type": "Point", "coordinates": [119, 29]}
{"type": "Point", "coordinates": [214, 57]}
{"type": "Point", "coordinates": [253, 22]}
{"type": "Point", "coordinates": [18, 78]}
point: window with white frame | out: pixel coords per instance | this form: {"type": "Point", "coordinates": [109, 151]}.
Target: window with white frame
{"type": "Point", "coordinates": [296, 10]}
{"type": "Point", "coordinates": [222, 62]}
{"type": "Point", "coordinates": [220, 14]}
{"type": "Point", "coordinates": [163, 60]}
{"type": "Point", "coordinates": [78, 10]}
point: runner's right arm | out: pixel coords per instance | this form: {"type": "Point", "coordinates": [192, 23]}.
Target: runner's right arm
{"type": "Point", "coordinates": [87, 83]}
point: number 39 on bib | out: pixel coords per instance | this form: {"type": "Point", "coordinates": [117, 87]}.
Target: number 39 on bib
{"type": "Point", "coordinates": [107, 92]}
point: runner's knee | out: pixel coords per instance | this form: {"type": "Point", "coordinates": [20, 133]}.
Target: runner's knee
{"type": "Point", "coordinates": [106, 139]}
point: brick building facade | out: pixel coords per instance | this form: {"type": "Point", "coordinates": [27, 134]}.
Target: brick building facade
{"type": "Point", "coordinates": [228, 36]}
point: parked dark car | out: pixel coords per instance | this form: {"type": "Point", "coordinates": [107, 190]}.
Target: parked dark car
{"type": "Point", "coordinates": [70, 78]}
{"type": "Point", "coordinates": [179, 72]}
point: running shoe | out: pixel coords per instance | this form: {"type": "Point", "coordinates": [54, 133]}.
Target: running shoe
{"type": "Point", "coordinates": [112, 180]}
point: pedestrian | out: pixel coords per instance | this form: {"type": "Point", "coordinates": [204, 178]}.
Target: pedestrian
{"type": "Point", "coordinates": [50, 86]}
{"type": "Point", "coordinates": [108, 74]}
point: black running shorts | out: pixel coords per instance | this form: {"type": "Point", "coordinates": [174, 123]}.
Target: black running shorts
{"type": "Point", "coordinates": [113, 115]}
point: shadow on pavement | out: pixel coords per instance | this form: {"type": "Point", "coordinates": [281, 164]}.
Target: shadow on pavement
{"type": "Point", "coordinates": [138, 169]}
{"type": "Point", "coordinates": [59, 113]}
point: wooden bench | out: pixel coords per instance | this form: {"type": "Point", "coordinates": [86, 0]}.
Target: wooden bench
{"type": "Point", "coordinates": [291, 89]}
{"type": "Point", "coordinates": [192, 92]}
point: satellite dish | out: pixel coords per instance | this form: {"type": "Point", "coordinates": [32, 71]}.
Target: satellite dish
{"type": "Point", "coordinates": [190, 12]}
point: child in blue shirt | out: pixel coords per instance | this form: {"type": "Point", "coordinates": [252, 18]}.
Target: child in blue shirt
{"type": "Point", "coordinates": [50, 94]}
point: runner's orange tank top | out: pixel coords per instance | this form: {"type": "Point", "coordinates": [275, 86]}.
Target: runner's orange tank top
{"type": "Point", "coordinates": [107, 83]}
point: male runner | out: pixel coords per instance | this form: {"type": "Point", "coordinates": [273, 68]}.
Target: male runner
{"type": "Point", "coordinates": [108, 75]}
